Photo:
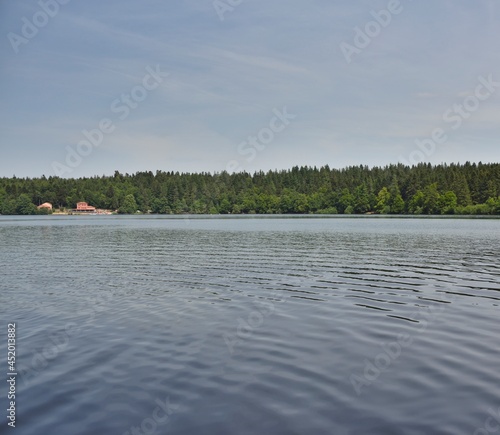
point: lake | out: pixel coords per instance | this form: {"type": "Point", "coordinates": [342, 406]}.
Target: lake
{"type": "Point", "coordinates": [252, 325]}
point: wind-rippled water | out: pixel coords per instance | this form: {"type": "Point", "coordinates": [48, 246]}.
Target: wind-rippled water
{"type": "Point", "coordinates": [253, 325]}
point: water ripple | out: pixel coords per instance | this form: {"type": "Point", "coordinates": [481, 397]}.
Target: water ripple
{"type": "Point", "coordinates": [253, 325]}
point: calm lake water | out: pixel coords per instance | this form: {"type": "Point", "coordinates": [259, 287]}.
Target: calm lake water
{"type": "Point", "coordinates": [275, 326]}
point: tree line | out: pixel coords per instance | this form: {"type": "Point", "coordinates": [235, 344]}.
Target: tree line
{"type": "Point", "coordinates": [467, 189]}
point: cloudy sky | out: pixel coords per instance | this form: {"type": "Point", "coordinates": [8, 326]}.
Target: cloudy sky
{"type": "Point", "coordinates": [355, 90]}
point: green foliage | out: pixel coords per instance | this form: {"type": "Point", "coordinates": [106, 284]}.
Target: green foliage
{"type": "Point", "coordinates": [361, 199]}
{"type": "Point", "coordinates": [329, 210]}
{"type": "Point", "coordinates": [396, 201]}
{"type": "Point", "coordinates": [160, 206]}
{"type": "Point", "coordinates": [494, 205]}
{"type": "Point", "coordinates": [24, 206]}
{"type": "Point", "coordinates": [383, 198]}
{"type": "Point", "coordinates": [225, 206]}
{"type": "Point", "coordinates": [129, 205]}
{"type": "Point", "coordinates": [448, 203]}
{"type": "Point", "coordinates": [44, 211]}
{"type": "Point", "coordinates": [423, 189]}
{"type": "Point", "coordinates": [431, 199]}
{"type": "Point", "coordinates": [416, 204]}
{"type": "Point", "coordinates": [397, 204]}
{"type": "Point", "coordinates": [9, 207]}
{"type": "Point", "coordinates": [346, 201]}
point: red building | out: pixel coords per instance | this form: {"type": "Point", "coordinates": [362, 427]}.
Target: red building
{"type": "Point", "coordinates": [84, 207]}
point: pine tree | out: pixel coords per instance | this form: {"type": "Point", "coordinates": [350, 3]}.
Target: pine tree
{"type": "Point", "coordinates": [383, 198]}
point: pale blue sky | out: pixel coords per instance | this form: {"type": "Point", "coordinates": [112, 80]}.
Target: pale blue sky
{"type": "Point", "coordinates": [226, 78]}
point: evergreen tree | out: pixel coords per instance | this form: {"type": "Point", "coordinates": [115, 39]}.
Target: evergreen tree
{"type": "Point", "coordinates": [431, 199]}
{"type": "Point", "coordinates": [358, 189]}
{"type": "Point", "coordinates": [461, 189]}
{"type": "Point", "coordinates": [361, 199]}
{"type": "Point", "coordinates": [24, 206]}
{"type": "Point", "coordinates": [129, 205]}
{"type": "Point", "coordinates": [396, 202]}
{"type": "Point", "coordinates": [448, 203]}
{"type": "Point", "coordinates": [383, 198]}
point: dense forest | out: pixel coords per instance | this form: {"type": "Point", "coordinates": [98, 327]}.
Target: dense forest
{"type": "Point", "coordinates": [396, 189]}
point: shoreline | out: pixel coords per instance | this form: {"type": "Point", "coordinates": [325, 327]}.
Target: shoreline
{"type": "Point", "coordinates": [261, 216]}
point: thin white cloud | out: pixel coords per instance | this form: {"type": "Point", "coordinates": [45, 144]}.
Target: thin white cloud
{"type": "Point", "coordinates": [226, 78]}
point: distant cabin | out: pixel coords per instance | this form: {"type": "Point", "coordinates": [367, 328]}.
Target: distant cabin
{"type": "Point", "coordinates": [45, 205]}
{"type": "Point", "coordinates": [84, 207]}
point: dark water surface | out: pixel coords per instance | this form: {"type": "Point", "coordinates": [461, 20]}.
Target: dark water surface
{"type": "Point", "coordinates": [252, 326]}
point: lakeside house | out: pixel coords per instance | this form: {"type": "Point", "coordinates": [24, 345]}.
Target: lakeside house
{"type": "Point", "coordinates": [45, 205]}
{"type": "Point", "coordinates": [83, 207]}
